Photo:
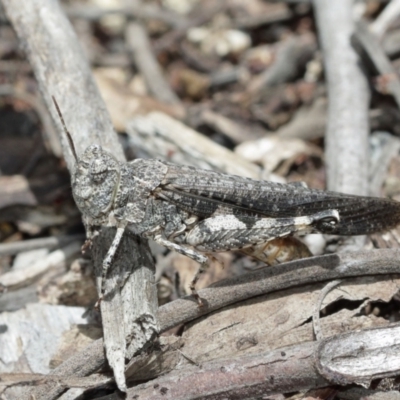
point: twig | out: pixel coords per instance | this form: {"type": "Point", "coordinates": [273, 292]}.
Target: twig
{"type": "Point", "coordinates": [308, 123]}
{"type": "Point", "coordinates": [233, 130]}
{"type": "Point", "coordinates": [385, 18]}
{"type": "Point", "coordinates": [41, 243]}
{"type": "Point", "coordinates": [139, 43]}
{"type": "Point", "coordinates": [13, 379]}
{"type": "Point", "coordinates": [63, 72]}
{"type": "Point", "coordinates": [162, 136]}
{"type": "Point", "coordinates": [322, 295]}
{"type": "Point", "coordinates": [353, 357]}
{"type": "Point", "coordinates": [382, 63]}
{"type": "Point", "coordinates": [347, 132]}
{"type": "Point", "coordinates": [16, 279]}
{"type": "Point", "coordinates": [292, 54]}
{"type": "Point", "coordinates": [361, 356]}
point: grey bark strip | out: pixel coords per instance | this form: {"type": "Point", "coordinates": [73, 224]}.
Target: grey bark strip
{"type": "Point", "coordinates": [347, 131]}
{"type": "Point", "coordinates": [360, 357]}
{"type": "Point", "coordinates": [40, 243]}
{"type": "Point", "coordinates": [386, 18]}
{"type": "Point", "coordinates": [346, 137]}
{"type": "Point", "coordinates": [63, 72]}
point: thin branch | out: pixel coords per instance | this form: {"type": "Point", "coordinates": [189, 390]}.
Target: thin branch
{"type": "Point", "coordinates": [385, 18]}
{"type": "Point", "coordinates": [139, 43]}
{"type": "Point", "coordinates": [13, 280]}
{"type": "Point", "coordinates": [382, 63]}
{"type": "Point", "coordinates": [347, 132]}
{"type": "Point", "coordinates": [322, 295]}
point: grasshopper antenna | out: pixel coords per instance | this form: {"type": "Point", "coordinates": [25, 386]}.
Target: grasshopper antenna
{"type": "Point", "coordinates": [69, 137]}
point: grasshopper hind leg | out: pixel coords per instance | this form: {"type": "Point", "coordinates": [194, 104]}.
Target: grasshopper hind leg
{"type": "Point", "coordinates": [194, 255]}
{"type": "Point", "coordinates": [230, 232]}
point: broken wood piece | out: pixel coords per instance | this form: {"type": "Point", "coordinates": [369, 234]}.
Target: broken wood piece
{"type": "Point", "coordinates": [40, 243]}
{"type": "Point", "coordinates": [389, 78]}
{"type": "Point", "coordinates": [387, 16]}
{"type": "Point", "coordinates": [162, 136]}
{"type": "Point", "coordinates": [147, 64]}
{"type": "Point", "coordinates": [16, 279]}
{"type": "Point", "coordinates": [347, 131]}
{"type": "Point", "coordinates": [360, 357]}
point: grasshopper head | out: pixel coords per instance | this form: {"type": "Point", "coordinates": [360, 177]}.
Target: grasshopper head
{"type": "Point", "coordinates": [95, 182]}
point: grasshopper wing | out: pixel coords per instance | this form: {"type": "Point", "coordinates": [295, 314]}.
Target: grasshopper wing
{"type": "Point", "coordinates": [206, 193]}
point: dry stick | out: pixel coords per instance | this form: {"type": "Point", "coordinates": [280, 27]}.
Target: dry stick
{"type": "Point", "coordinates": [382, 63]}
{"type": "Point", "coordinates": [161, 136]}
{"type": "Point", "coordinates": [360, 356]}
{"type": "Point", "coordinates": [279, 371]}
{"type": "Point", "coordinates": [40, 243]}
{"type": "Point", "coordinates": [347, 130]}
{"type": "Point", "coordinates": [146, 62]}
{"type": "Point", "coordinates": [63, 72]}
{"type": "Point", "coordinates": [385, 18]}
{"type": "Point", "coordinates": [230, 291]}
{"type": "Point", "coordinates": [232, 129]}
{"type": "Point", "coordinates": [16, 279]}
{"type": "Point", "coordinates": [316, 320]}
{"type": "Point", "coordinates": [23, 378]}
{"type": "Point", "coordinates": [292, 54]}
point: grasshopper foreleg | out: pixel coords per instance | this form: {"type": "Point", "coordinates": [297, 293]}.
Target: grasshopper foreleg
{"type": "Point", "coordinates": [108, 259]}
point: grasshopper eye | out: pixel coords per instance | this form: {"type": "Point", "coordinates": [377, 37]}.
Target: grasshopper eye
{"type": "Point", "coordinates": [98, 171]}
{"type": "Point", "coordinates": [99, 177]}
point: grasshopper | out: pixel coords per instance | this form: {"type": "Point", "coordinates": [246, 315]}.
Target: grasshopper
{"type": "Point", "coordinates": [197, 212]}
